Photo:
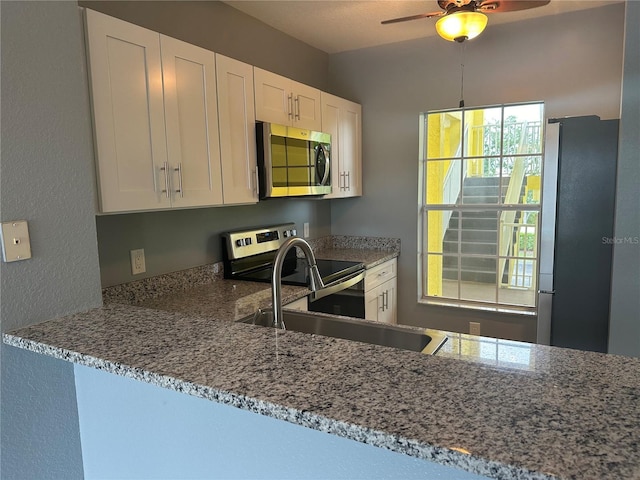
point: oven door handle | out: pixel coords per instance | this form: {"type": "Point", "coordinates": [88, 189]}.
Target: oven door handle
{"type": "Point", "coordinates": [338, 285]}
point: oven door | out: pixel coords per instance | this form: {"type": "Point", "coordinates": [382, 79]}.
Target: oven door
{"type": "Point", "coordinates": [342, 297]}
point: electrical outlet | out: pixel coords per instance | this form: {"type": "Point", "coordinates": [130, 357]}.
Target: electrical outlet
{"type": "Point", "coordinates": [474, 328]}
{"type": "Point", "coordinates": [138, 265]}
{"type": "Point", "coordinates": [306, 230]}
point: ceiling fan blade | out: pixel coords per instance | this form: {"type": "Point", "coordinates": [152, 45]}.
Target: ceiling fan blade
{"type": "Point", "coordinates": [501, 6]}
{"type": "Point", "coordinates": [412, 17]}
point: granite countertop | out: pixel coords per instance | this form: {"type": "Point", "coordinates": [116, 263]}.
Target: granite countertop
{"type": "Point", "coordinates": [566, 414]}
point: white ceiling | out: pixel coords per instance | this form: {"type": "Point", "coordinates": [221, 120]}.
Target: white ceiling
{"type": "Point", "coordinates": [339, 25]}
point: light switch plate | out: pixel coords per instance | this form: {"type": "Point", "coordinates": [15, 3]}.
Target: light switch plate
{"type": "Point", "coordinates": [15, 241]}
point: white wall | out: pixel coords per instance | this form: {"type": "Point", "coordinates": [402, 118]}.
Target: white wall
{"type": "Point", "coordinates": [47, 179]}
{"type": "Point", "coordinates": [571, 62]}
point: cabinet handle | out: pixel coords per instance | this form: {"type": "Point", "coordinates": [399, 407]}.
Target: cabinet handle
{"type": "Point", "coordinates": [385, 300]}
{"type": "Point", "coordinates": [165, 168]}
{"type": "Point", "coordinates": [179, 170]}
{"type": "Point", "coordinates": [348, 178]}
{"type": "Point", "coordinates": [297, 104]}
{"type": "Point", "coordinates": [255, 181]}
{"type": "Point", "coordinates": [382, 307]}
{"type": "Point", "coordinates": [290, 99]}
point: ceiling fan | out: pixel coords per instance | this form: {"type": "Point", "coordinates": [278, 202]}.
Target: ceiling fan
{"type": "Point", "coordinates": [462, 20]}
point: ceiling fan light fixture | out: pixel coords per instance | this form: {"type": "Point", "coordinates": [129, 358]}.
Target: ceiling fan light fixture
{"type": "Point", "coordinates": [462, 25]}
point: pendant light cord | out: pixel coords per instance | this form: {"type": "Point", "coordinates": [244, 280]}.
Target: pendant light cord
{"type": "Point", "coordinates": [463, 48]}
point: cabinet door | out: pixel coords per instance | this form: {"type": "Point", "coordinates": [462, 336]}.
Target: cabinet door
{"type": "Point", "coordinates": [191, 113]}
{"type": "Point", "coordinates": [273, 99]}
{"type": "Point", "coordinates": [372, 303]}
{"type": "Point", "coordinates": [306, 107]}
{"type": "Point", "coordinates": [342, 119]}
{"type": "Point", "coordinates": [380, 302]}
{"type": "Point", "coordinates": [237, 123]}
{"type": "Point", "coordinates": [331, 125]}
{"type": "Point", "coordinates": [351, 147]}
{"type": "Point", "coordinates": [388, 295]}
{"type": "Point", "coordinates": [128, 113]}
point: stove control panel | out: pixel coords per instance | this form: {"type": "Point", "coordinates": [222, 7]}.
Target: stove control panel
{"type": "Point", "coordinates": [245, 243]}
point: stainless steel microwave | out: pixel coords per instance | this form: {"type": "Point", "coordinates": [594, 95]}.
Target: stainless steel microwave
{"type": "Point", "coordinates": [292, 161]}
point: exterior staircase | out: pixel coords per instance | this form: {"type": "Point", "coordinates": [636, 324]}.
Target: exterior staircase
{"type": "Point", "coordinates": [479, 232]}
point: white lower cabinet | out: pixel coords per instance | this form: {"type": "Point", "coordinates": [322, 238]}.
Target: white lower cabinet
{"type": "Point", "coordinates": [380, 293]}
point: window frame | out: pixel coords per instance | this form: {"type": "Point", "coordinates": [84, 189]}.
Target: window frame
{"type": "Point", "coordinates": [424, 208]}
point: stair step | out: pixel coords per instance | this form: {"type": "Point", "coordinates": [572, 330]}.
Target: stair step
{"type": "Point", "coordinates": [475, 223]}
{"type": "Point", "coordinates": [476, 214]}
{"type": "Point", "coordinates": [478, 264]}
{"type": "Point", "coordinates": [476, 181]}
{"type": "Point", "coordinates": [468, 235]}
{"type": "Point", "coordinates": [480, 190]}
{"type": "Point", "coordinates": [469, 276]}
{"type": "Point", "coordinates": [475, 248]}
{"type": "Point", "coordinates": [489, 199]}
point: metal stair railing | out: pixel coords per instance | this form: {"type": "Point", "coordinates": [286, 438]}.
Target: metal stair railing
{"type": "Point", "coordinates": [507, 217]}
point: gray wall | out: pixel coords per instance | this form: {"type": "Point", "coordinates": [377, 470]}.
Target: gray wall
{"type": "Point", "coordinates": [180, 239]}
{"type": "Point", "coordinates": [572, 62]}
{"type": "Point", "coordinates": [176, 240]}
{"type": "Point", "coordinates": [624, 331]}
{"type": "Point", "coordinates": [134, 430]}
{"type": "Point", "coordinates": [46, 179]}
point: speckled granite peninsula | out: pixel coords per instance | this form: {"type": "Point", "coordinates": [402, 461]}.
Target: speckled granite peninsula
{"type": "Point", "coordinates": [551, 413]}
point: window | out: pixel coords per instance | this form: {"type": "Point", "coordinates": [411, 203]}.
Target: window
{"type": "Point", "coordinates": [480, 180]}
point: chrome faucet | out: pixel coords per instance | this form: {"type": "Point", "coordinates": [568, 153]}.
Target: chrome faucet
{"type": "Point", "coordinates": [315, 281]}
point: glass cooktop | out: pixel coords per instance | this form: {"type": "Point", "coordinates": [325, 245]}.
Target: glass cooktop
{"type": "Point", "coordinates": [296, 272]}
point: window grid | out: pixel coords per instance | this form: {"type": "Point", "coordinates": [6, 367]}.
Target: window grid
{"type": "Point", "coordinates": [515, 251]}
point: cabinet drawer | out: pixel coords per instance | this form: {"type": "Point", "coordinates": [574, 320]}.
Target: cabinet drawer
{"type": "Point", "coordinates": [380, 274]}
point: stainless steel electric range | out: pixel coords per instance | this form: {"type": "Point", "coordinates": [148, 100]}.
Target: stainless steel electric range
{"type": "Point", "coordinates": [248, 255]}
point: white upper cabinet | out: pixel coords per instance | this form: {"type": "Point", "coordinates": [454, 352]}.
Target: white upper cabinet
{"type": "Point", "coordinates": [155, 118]}
{"type": "Point", "coordinates": [237, 123]}
{"type": "Point", "coordinates": [191, 117]}
{"type": "Point", "coordinates": [286, 102]}
{"type": "Point", "coordinates": [342, 119]}
{"type": "Point", "coordinates": [127, 99]}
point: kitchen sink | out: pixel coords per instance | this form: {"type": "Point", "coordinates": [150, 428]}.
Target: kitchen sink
{"type": "Point", "coordinates": [406, 338]}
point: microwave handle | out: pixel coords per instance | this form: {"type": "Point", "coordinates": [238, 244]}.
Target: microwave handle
{"type": "Point", "coordinates": [327, 164]}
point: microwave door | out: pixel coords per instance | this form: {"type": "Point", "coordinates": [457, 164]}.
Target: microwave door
{"type": "Point", "coordinates": [323, 164]}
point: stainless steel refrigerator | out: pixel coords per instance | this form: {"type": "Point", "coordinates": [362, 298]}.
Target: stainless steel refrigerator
{"type": "Point", "coordinates": [576, 245]}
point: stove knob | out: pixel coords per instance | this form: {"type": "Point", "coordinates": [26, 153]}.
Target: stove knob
{"type": "Point", "coordinates": [240, 242]}
{"type": "Point", "coordinates": [247, 241]}
{"type": "Point", "coordinates": [285, 234]}
{"type": "Point", "coordinates": [294, 232]}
